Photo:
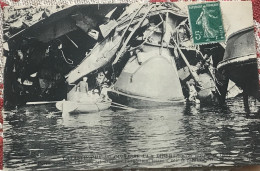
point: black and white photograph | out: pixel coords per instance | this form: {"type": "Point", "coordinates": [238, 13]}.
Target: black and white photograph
{"type": "Point", "coordinates": [139, 85]}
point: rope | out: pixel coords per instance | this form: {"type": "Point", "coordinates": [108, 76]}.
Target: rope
{"type": "Point", "coordinates": [71, 62]}
{"type": "Point", "coordinates": [97, 107]}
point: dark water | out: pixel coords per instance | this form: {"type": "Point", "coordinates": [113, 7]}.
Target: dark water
{"type": "Point", "coordinates": [40, 138]}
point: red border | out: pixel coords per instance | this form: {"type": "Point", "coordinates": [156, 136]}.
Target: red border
{"type": "Point", "coordinates": [256, 13]}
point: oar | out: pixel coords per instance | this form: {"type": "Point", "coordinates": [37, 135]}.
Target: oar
{"type": "Point", "coordinates": [120, 107]}
{"type": "Point", "coordinates": [114, 104]}
{"type": "Point", "coordinates": [41, 102]}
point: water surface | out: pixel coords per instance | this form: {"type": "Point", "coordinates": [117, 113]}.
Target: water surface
{"type": "Point", "coordinates": [40, 138]}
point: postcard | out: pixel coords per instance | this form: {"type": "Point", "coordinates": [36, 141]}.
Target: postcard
{"type": "Point", "coordinates": [130, 85]}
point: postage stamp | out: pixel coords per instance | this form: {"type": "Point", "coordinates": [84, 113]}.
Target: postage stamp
{"type": "Point", "coordinates": [206, 23]}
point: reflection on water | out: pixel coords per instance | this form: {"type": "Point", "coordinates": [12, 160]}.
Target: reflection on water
{"type": "Point", "coordinates": [39, 137]}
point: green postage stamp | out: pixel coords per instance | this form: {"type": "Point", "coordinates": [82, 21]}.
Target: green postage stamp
{"type": "Point", "coordinates": [206, 23]}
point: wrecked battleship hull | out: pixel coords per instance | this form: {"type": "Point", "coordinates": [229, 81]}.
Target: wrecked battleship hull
{"type": "Point", "coordinates": [240, 62]}
{"type": "Point", "coordinates": [118, 35]}
{"type": "Point", "coordinates": [70, 25]}
{"type": "Point", "coordinates": [141, 49]}
{"type": "Point", "coordinates": [139, 102]}
{"type": "Point", "coordinates": [148, 79]}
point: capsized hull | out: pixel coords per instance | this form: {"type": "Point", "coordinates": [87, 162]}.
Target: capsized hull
{"type": "Point", "coordinates": [150, 75]}
{"type": "Point", "coordinates": [240, 63]}
{"type": "Point", "coordinates": [245, 76]}
{"type": "Point", "coordinates": [139, 102]}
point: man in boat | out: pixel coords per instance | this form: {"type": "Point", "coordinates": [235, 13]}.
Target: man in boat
{"type": "Point", "coordinates": [103, 93]}
{"type": "Point", "coordinates": [82, 91]}
{"type": "Point", "coordinates": [95, 95]}
{"type": "Point", "coordinates": [83, 85]}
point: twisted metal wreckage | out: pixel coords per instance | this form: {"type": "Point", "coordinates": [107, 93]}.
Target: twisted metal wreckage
{"type": "Point", "coordinates": [143, 52]}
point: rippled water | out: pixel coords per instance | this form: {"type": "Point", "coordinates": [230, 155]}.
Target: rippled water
{"type": "Point", "coordinates": [39, 137]}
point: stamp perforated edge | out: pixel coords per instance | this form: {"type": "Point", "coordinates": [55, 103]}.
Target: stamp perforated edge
{"type": "Point", "coordinates": [189, 19]}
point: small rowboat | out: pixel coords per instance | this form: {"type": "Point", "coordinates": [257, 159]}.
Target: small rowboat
{"type": "Point", "coordinates": [81, 107]}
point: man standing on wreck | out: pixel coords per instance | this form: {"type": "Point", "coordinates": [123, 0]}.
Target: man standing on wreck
{"type": "Point", "coordinates": [203, 20]}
